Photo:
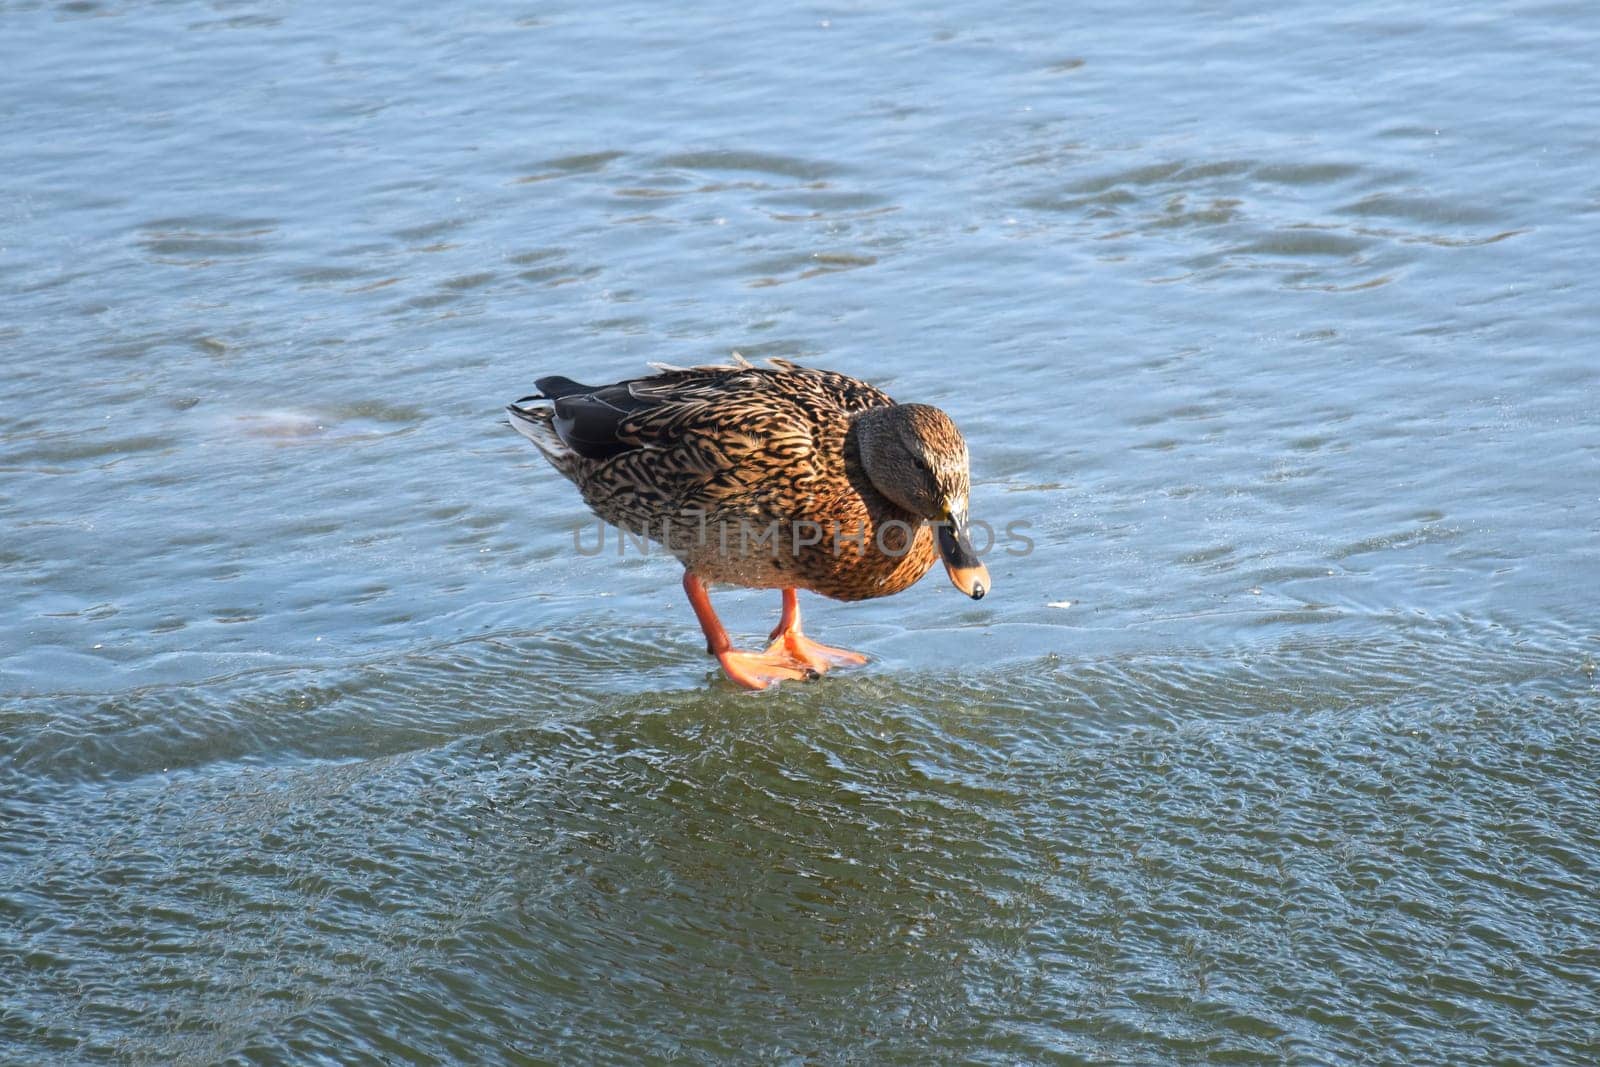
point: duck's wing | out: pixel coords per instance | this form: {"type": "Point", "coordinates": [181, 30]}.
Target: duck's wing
{"type": "Point", "coordinates": [736, 405]}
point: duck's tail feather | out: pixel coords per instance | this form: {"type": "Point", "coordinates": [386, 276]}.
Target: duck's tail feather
{"type": "Point", "coordinates": [538, 425]}
{"type": "Point", "coordinates": [555, 386]}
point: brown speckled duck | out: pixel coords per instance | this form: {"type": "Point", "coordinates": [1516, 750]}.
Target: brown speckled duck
{"type": "Point", "coordinates": [778, 477]}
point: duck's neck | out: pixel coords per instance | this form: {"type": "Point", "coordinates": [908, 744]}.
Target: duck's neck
{"type": "Point", "coordinates": [862, 424]}
{"type": "Point", "coordinates": [864, 427]}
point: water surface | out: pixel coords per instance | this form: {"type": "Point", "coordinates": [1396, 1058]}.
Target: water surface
{"type": "Point", "coordinates": [323, 745]}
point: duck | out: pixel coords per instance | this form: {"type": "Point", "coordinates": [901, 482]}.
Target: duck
{"type": "Point", "coordinates": [766, 477]}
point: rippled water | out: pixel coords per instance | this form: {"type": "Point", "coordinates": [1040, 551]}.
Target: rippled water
{"type": "Point", "coordinates": [322, 744]}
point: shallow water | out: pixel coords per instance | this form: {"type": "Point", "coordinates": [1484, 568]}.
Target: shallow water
{"type": "Point", "coordinates": [322, 743]}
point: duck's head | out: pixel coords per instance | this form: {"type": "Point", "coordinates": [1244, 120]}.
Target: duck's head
{"type": "Point", "coordinates": [914, 455]}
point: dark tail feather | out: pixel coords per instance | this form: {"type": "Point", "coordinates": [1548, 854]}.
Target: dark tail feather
{"type": "Point", "coordinates": [556, 386]}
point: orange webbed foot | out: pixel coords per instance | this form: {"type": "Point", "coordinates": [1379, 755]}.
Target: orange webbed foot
{"type": "Point", "coordinates": [814, 654]}
{"type": "Point", "coordinates": [787, 640]}
{"type": "Point", "coordinates": [758, 670]}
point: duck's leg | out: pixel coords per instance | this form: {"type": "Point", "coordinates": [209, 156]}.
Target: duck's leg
{"type": "Point", "coordinates": [788, 638]}
{"type": "Point", "coordinates": [753, 670]}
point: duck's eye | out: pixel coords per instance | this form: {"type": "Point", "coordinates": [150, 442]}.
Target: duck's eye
{"type": "Point", "coordinates": [922, 464]}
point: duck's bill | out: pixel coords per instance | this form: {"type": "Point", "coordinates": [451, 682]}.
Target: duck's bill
{"type": "Point", "coordinates": [966, 570]}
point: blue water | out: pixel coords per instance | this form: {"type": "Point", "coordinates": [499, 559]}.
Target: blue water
{"type": "Point", "coordinates": [321, 743]}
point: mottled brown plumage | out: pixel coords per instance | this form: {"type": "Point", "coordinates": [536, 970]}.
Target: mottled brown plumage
{"type": "Point", "coordinates": [778, 477]}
